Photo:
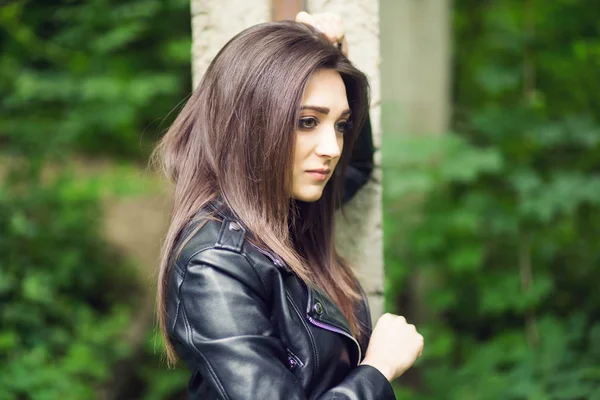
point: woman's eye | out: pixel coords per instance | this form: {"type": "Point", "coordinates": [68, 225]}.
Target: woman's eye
{"type": "Point", "coordinates": [343, 126]}
{"type": "Point", "coordinates": [308, 123]}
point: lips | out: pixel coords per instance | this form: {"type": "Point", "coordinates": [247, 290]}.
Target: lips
{"type": "Point", "coordinates": [323, 171]}
{"type": "Point", "coordinates": [319, 174]}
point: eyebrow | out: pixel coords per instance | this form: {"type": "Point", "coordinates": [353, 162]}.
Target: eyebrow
{"type": "Point", "coordinates": [323, 110]}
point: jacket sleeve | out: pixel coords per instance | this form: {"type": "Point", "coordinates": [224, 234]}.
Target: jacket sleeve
{"type": "Point", "coordinates": [360, 166]}
{"type": "Point", "coordinates": [222, 329]}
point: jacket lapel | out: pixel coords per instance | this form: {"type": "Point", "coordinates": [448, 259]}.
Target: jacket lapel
{"type": "Point", "coordinates": [324, 313]}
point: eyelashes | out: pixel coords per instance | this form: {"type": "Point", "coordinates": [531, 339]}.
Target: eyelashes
{"type": "Point", "coordinates": [348, 126]}
{"type": "Point", "coordinates": [309, 123]}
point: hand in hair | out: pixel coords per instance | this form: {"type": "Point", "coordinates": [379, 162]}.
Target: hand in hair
{"type": "Point", "coordinates": [330, 24]}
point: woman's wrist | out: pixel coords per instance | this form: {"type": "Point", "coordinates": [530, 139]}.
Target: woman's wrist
{"type": "Point", "coordinates": [385, 371]}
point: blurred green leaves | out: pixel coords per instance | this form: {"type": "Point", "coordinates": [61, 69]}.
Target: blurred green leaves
{"type": "Point", "coordinates": [61, 286]}
{"type": "Point", "coordinates": [92, 76]}
{"type": "Point", "coordinates": [86, 86]}
{"type": "Point", "coordinates": [500, 219]}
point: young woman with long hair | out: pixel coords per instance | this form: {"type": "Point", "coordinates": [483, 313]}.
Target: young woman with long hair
{"type": "Point", "coordinates": [253, 296]}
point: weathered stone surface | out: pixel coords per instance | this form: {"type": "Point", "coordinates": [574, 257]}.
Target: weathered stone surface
{"type": "Point", "coordinates": [416, 48]}
{"type": "Point", "coordinates": [215, 22]}
{"type": "Point", "coordinates": [416, 44]}
{"type": "Point", "coordinates": [359, 235]}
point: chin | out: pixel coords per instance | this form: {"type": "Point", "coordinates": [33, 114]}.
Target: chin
{"type": "Point", "coordinates": [309, 197]}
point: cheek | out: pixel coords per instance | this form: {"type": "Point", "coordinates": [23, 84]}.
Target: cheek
{"type": "Point", "coordinates": [302, 147]}
{"type": "Point", "coordinates": [298, 152]}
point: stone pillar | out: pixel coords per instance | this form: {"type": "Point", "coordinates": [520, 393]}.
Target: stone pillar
{"type": "Point", "coordinates": [215, 22]}
{"type": "Point", "coordinates": [416, 48]}
{"type": "Point", "coordinates": [359, 234]}
{"type": "Point", "coordinates": [416, 66]}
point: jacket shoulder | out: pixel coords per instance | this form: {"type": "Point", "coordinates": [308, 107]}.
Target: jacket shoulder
{"type": "Point", "coordinates": [201, 236]}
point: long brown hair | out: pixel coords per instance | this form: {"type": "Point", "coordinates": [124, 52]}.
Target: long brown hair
{"type": "Point", "coordinates": [234, 140]}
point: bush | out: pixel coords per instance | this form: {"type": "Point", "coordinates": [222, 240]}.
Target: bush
{"type": "Point", "coordinates": [63, 292]}
{"type": "Point", "coordinates": [79, 79]}
{"type": "Point", "coordinates": [508, 218]}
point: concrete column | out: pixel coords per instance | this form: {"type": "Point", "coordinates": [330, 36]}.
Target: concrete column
{"type": "Point", "coordinates": [215, 22]}
{"type": "Point", "coordinates": [415, 42]}
{"type": "Point", "coordinates": [416, 46]}
{"type": "Point", "coordinates": [359, 235]}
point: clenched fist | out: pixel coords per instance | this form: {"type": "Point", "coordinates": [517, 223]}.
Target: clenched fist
{"type": "Point", "coordinates": [394, 346]}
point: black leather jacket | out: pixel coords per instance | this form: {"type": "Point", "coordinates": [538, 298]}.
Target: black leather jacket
{"type": "Point", "coordinates": [248, 328]}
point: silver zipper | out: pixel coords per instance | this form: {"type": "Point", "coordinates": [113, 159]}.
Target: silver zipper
{"type": "Point", "coordinates": [275, 260]}
{"type": "Point", "coordinates": [337, 330]}
{"type": "Point", "coordinates": [313, 321]}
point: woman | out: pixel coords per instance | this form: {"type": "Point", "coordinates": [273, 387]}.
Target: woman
{"type": "Point", "coordinates": [252, 294]}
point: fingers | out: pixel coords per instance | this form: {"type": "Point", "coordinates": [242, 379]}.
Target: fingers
{"type": "Point", "coordinates": [421, 342]}
{"type": "Point", "coordinates": [309, 19]}
{"type": "Point", "coordinates": [306, 18]}
{"type": "Point", "coordinates": [417, 338]}
{"type": "Point", "coordinates": [330, 24]}
{"type": "Point", "coordinates": [394, 317]}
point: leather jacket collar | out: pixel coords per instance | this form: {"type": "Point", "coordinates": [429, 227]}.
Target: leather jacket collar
{"type": "Point", "coordinates": [320, 309]}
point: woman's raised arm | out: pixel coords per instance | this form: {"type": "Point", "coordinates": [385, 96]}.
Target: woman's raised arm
{"type": "Point", "coordinates": [360, 166]}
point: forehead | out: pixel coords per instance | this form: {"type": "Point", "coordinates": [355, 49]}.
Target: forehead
{"type": "Point", "coordinates": [326, 88]}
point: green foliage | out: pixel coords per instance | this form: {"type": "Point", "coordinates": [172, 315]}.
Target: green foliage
{"type": "Point", "coordinates": [94, 75]}
{"type": "Point", "coordinates": [62, 290]}
{"type": "Point", "coordinates": [78, 79]}
{"type": "Point", "coordinates": [501, 219]}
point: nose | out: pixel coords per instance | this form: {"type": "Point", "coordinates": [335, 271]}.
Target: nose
{"type": "Point", "coordinates": [329, 145]}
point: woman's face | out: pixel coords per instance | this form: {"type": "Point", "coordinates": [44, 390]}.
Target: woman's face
{"type": "Point", "coordinates": [320, 134]}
